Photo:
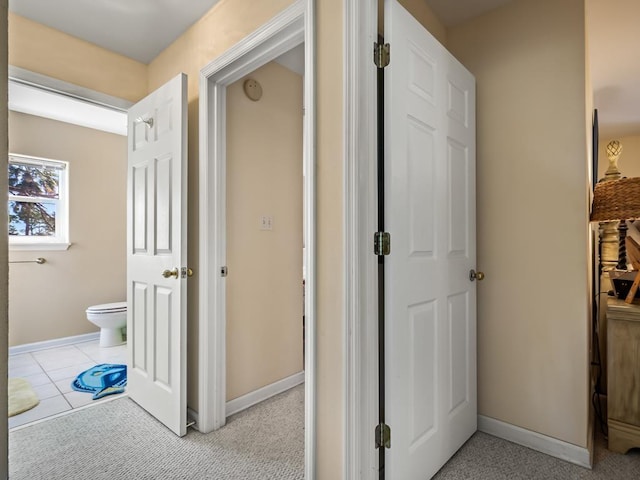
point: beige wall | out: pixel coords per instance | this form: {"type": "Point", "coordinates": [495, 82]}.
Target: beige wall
{"type": "Point", "coordinates": [49, 301]}
{"type": "Point", "coordinates": [629, 161]}
{"type": "Point", "coordinates": [330, 202]}
{"type": "Point", "coordinates": [264, 177]}
{"type": "Point", "coordinates": [533, 317]}
{"type": "Point", "coordinates": [44, 50]}
{"type": "Point", "coordinates": [4, 288]}
{"type": "Point", "coordinates": [421, 11]}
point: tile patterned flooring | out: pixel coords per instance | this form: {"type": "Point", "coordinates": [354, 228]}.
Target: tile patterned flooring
{"type": "Point", "coordinates": [51, 372]}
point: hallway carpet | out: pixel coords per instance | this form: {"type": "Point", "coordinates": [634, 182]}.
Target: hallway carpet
{"type": "Point", "coordinates": [118, 439]}
{"type": "Point", "coordinates": [485, 457]}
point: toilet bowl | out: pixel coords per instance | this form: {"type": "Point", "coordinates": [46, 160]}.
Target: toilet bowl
{"type": "Point", "coordinates": [111, 318]}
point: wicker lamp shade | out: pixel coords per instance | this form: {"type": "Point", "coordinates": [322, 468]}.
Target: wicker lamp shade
{"type": "Point", "coordinates": [616, 200]}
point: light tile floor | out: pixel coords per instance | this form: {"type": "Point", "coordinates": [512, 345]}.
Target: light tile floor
{"type": "Point", "coordinates": [51, 372]}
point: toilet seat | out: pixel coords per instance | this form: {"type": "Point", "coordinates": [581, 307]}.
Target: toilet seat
{"type": "Point", "coordinates": [104, 308]}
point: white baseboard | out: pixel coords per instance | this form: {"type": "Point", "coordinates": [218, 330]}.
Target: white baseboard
{"type": "Point", "coordinates": [56, 342]}
{"type": "Point", "coordinates": [252, 398]}
{"type": "Point", "coordinates": [535, 441]}
{"type": "Point", "coordinates": [242, 403]}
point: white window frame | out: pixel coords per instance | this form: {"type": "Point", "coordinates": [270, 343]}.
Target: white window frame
{"type": "Point", "coordinates": [61, 240]}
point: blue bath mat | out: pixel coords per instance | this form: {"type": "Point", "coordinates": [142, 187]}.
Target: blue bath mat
{"type": "Point", "coordinates": [102, 380]}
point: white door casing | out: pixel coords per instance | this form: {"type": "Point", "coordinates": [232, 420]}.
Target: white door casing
{"type": "Point", "coordinates": [157, 242]}
{"type": "Point", "coordinates": [431, 399]}
{"type": "Point", "coordinates": [289, 28]}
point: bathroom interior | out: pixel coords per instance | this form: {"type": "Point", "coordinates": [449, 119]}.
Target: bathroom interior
{"type": "Point", "coordinates": [49, 297]}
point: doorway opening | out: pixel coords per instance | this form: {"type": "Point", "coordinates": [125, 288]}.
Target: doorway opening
{"type": "Point", "coordinates": [51, 339]}
{"type": "Point", "coordinates": [264, 234]}
{"type": "Point", "coordinates": [287, 30]}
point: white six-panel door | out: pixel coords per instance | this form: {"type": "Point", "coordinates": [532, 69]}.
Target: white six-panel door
{"type": "Point", "coordinates": [430, 213]}
{"type": "Point", "coordinates": [156, 242]}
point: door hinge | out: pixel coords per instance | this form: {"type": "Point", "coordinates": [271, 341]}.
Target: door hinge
{"type": "Point", "coordinates": [382, 243]}
{"type": "Point", "coordinates": [383, 436]}
{"type": "Point", "coordinates": [381, 54]}
{"type": "Point", "coordinates": [224, 271]}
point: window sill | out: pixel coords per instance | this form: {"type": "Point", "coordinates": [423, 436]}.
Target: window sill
{"type": "Point", "coordinates": [41, 247]}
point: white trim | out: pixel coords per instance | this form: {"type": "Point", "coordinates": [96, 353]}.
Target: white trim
{"type": "Point", "coordinates": [253, 398]}
{"type": "Point", "coordinates": [279, 35]}
{"type": "Point", "coordinates": [60, 87]}
{"type": "Point", "coordinates": [38, 161]}
{"type": "Point", "coordinates": [360, 221]}
{"type": "Point", "coordinates": [289, 28]}
{"type": "Point", "coordinates": [56, 342]}
{"type": "Point", "coordinates": [309, 167]}
{"type": "Point", "coordinates": [37, 94]}
{"type": "Point", "coordinates": [260, 395]}
{"type": "Point", "coordinates": [536, 441]}
{"type": "Point", "coordinates": [34, 100]}
{"type": "Point", "coordinates": [38, 247]}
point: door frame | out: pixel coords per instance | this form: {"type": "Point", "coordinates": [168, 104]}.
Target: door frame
{"type": "Point", "coordinates": [360, 333]}
{"type": "Point", "coordinates": [284, 31]}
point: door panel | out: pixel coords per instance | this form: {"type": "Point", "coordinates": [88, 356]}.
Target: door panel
{"type": "Point", "coordinates": [430, 323]}
{"type": "Point", "coordinates": [423, 371]}
{"type": "Point", "coordinates": [163, 182]}
{"type": "Point", "coordinates": [139, 209]}
{"type": "Point", "coordinates": [137, 340]}
{"type": "Point", "coordinates": [421, 154]}
{"type": "Point", "coordinates": [156, 242]}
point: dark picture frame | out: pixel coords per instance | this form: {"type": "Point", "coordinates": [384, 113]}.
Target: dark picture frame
{"type": "Point", "coordinates": [594, 146]}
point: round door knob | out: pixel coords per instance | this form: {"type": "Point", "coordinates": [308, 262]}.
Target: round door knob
{"type": "Point", "coordinates": [170, 273]}
{"type": "Point", "coordinates": [473, 275]}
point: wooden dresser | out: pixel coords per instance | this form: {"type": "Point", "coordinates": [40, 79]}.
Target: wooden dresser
{"type": "Point", "coordinates": [623, 372]}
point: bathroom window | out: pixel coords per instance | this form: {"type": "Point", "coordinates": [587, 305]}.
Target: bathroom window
{"type": "Point", "coordinates": [38, 203]}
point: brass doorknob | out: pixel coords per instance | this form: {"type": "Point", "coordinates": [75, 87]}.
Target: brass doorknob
{"type": "Point", "coordinates": [170, 273]}
{"type": "Point", "coordinates": [473, 275]}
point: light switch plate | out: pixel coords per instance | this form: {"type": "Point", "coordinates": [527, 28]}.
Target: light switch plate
{"type": "Point", "coordinates": [266, 222]}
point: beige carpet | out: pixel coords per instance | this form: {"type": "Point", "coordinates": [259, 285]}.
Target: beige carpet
{"type": "Point", "coordinates": [21, 396]}
{"type": "Point", "coordinates": [485, 457]}
{"type": "Point", "coordinates": [119, 440]}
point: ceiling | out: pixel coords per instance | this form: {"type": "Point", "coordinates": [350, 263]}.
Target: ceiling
{"type": "Point", "coordinates": [141, 29]}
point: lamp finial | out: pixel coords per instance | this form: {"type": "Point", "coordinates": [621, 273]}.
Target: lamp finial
{"type": "Point", "coordinates": [614, 150]}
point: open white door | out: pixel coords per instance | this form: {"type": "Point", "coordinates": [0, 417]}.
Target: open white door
{"type": "Point", "coordinates": [430, 313]}
{"type": "Point", "coordinates": [157, 254]}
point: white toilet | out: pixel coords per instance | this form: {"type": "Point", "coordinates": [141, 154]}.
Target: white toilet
{"type": "Point", "coordinates": [111, 318]}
